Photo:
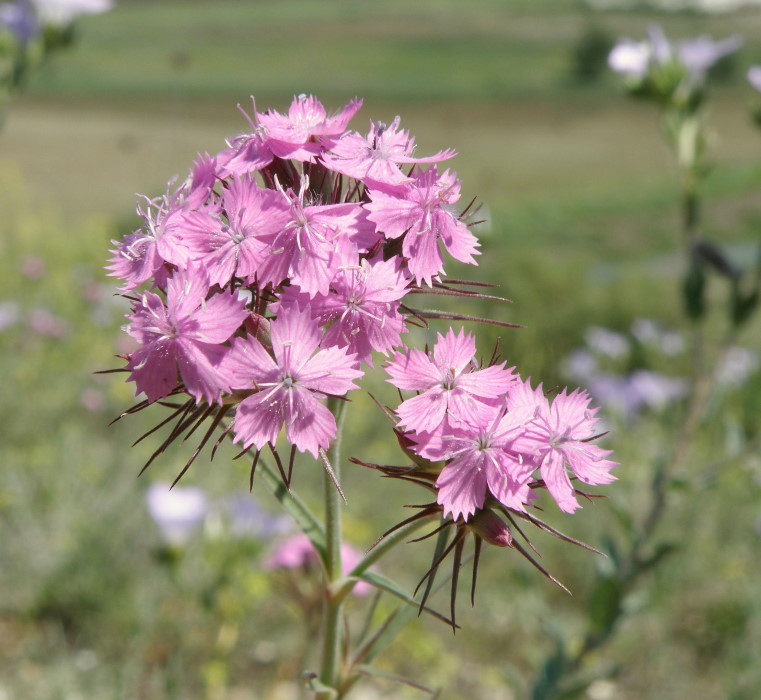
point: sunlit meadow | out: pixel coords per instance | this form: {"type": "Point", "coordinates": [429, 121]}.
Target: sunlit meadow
{"type": "Point", "coordinates": [113, 586]}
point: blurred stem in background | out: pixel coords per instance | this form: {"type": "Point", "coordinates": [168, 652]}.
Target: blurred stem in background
{"type": "Point", "coordinates": [673, 76]}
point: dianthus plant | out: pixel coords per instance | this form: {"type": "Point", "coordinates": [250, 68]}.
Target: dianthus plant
{"type": "Point", "coordinates": [266, 284]}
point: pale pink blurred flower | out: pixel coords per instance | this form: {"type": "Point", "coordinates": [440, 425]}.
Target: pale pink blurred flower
{"type": "Point", "coordinates": [45, 323]}
{"type": "Point", "coordinates": [33, 267]}
{"type": "Point", "coordinates": [297, 552]}
{"type": "Point", "coordinates": [92, 400]}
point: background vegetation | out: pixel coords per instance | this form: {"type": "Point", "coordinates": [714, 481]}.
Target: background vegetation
{"type": "Point", "coordinates": [582, 231]}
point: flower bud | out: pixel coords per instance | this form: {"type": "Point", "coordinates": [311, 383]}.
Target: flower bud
{"type": "Point", "coordinates": [488, 525]}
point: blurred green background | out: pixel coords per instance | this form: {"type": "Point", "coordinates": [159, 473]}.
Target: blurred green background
{"type": "Point", "coordinates": [580, 196]}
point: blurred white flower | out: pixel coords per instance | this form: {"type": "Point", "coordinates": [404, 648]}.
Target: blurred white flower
{"type": "Point", "coordinates": [754, 77]}
{"type": "Point", "coordinates": [60, 13]}
{"type": "Point", "coordinates": [580, 364]}
{"type": "Point", "coordinates": [630, 58]}
{"type": "Point", "coordinates": [649, 332]}
{"type": "Point", "coordinates": [738, 364]}
{"type": "Point", "coordinates": [606, 342]}
{"type": "Point", "coordinates": [176, 511]}
{"type": "Point", "coordinates": [10, 312]}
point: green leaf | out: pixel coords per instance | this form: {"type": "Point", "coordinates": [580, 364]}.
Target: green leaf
{"type": "Point", "coordinates": [295, 507]}
{"type": "Point", "coordinates": [552, 672]}
{"type": "Point", "coordinates": [384, 583]}
{"type": "Point", "coordinates": [605, 606]}
{"type": "Point", "coordinates": [393, 624]}
{"type": "Point", "coordinates": [661, 551]}
{"type": "Point", "coordinates": [381, 673]}
{"type": "Point", "coordinates": [694, 289]}
{"type": "Point", "coordinates": [381, 547]}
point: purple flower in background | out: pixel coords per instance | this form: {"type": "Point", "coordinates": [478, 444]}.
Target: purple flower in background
{"type": "Point", "coordinates": [20, 19]}
{"type": "Point", "coordinates": [702, 52]}
{"type": "Point", "coordinates": [177, 511]}
{"type": "Point", "coordinates": [649, 332]}
{"type": "Point", "coordinates": [246, 518]}
{"type": "Point", "coordinates": [46, 323]}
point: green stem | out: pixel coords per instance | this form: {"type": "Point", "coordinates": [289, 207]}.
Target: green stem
{"type": "Point", "coordinates": [332, 605]}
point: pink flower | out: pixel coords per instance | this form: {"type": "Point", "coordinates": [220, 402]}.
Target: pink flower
{"type": "Point", "coordinates": [558, 440]}
{"type": "Point", "coordinates": [363, 306]}
{"type": "Point", "coordinates": [450, 383]}
{"type": "Point", "coordinates": [422, 212]}
{"type": "Point", "coordinates": [246, 153]}
{"type": "Point", "coordinates": [236, 247]}
{"type": "Point", "coordinates": [297, 552]}
{"type": "Point", "coordinates": [303, 250]}
{"type": "Point", "coordinates": [295, 135]}
{"type": "Point", "coordinates": [186, 335]}
{"type": "Point", "coordinates": [481, 462]}
{"type": "Point", "coordinates": [142, 254]}
{"type": "Point", "coordinates": [377, 156]}
{"type": "Point", "coordinates": [290, 385]}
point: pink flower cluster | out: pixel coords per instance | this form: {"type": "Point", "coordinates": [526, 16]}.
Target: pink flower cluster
{"type": "Point", "coordinates": [493, 430]}
{"type": "Point", "coordinates": [266, 278]}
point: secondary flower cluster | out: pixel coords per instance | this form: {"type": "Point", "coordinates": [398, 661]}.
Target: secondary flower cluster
{"type": "Point", "coordinates": [659, 69]}
{"type": "Point", "coordinates": [493, 430]}
{"type": "Point", "coordinates": [263, 282]}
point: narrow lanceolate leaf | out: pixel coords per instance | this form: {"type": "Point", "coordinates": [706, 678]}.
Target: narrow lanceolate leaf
{"type": "Point", "coordinates": [296, 508]}
{"type": "Point", "coordinates": [391, 627]}
{"type": "Point", "coordinates": [384, 583]}
{"type": "Point", "coordinates": [367, 670]}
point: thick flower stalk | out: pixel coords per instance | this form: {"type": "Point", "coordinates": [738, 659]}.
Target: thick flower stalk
{"type": "Point", "coordinates": [261, 288]}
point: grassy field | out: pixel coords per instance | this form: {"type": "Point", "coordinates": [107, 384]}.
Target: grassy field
{"type": "Point", "coordinates": [581, 199]}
